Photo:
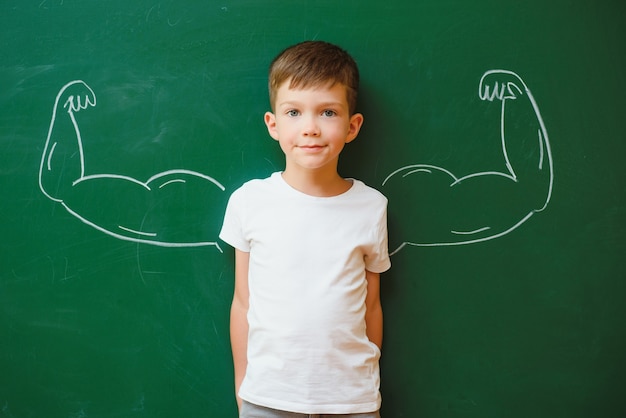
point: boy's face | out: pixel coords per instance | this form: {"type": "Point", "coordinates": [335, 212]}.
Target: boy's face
{"type": "Point", "coordinates": [312, 125]}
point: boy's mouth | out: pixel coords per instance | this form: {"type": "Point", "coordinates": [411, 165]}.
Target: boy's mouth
{"type": "Point", "coordinates": [311, 148]}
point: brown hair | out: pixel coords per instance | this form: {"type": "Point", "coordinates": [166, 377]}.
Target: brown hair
{"type": "Point", "coordinates": [314, 63]}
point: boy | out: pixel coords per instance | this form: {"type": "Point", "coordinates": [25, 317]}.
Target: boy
{"type": "Point", "coordinates": [306, 320]}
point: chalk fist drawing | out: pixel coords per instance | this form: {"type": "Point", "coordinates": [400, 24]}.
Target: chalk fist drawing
{"type": "Point", "coordinates": [155, 211]}
{"type": "Point", "coordinates": [444, 209]}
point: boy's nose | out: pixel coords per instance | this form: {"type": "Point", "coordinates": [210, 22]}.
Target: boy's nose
{"type": "Point", "coordinates": [310, 128]}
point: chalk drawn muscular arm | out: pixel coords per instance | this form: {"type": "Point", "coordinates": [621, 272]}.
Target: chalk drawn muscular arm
{"type": "Point", "coordinates": [159, 211]}
{"type": "Point", "coordinates": [450, 210]}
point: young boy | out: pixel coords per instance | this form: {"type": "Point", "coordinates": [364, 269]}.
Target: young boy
{"type": "Point", "coordinates": [306, 319]}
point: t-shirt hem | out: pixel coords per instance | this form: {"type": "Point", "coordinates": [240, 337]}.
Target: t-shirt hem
{"type": "Point", "coordinates": [299, 408]}
{"type": "Point", "coordinates": [235, 243]}
{"type": "Point", "coordinates": [380, 267]}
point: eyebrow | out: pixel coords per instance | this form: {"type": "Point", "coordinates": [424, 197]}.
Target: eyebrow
{"type": "Point", "coordinates": [289, 103]}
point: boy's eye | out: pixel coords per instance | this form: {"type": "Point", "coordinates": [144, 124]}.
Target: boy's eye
{"type": "Point", "coordinates": [292, 112]}
{"type": "Point", "coordinates": [329, 113]}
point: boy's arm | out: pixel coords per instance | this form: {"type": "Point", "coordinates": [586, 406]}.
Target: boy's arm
{"type": "Point", "coordinates": [373, 309]}
{"type": "Point", "coordinates": [239, 319]}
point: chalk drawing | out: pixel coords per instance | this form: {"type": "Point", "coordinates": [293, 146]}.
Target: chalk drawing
{"type": "Point", "coordinates": [127, 206]}
{"type": "Point", "coordinates": [530, 184]}
{"type": "Point", "coordinates": [63, 179]}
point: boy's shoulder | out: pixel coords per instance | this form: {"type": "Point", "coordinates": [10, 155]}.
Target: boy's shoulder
{"type": "Point", "coordinates": [260, 183]}
{"type": "Point", "coordinates": [263, 187]}
{"type": "Point", "coordinates": [360, 187]}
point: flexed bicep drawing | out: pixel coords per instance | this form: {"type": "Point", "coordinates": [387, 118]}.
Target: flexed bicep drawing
{"type": "Point", "coordinates": [443, 209]}
{"type": "Point", "coordinates": [168, 209]}
{"type": "Point", "coordinates": [430, 205]}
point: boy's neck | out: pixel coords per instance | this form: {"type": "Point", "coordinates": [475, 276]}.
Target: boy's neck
{"type": "Point", "coordinates": [317, 183]}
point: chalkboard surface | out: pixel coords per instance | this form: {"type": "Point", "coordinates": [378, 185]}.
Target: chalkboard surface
{"type": "Point", "coordinates": [496, 130]}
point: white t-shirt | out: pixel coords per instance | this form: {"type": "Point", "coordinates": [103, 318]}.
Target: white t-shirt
{"type": "Point", "coordinates": [308, 351]}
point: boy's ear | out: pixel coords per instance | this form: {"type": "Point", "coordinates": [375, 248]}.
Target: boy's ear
{"type": "Point", "coordinates": [270, 122]}
{"type": "Point", "coordinates": [356, 121]}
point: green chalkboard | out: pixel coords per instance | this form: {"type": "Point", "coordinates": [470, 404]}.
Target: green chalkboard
{"type": "Point", "coordinates": [496, 130]}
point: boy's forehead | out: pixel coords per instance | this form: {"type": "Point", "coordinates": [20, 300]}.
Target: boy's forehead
{"type": "Point", "coordinates": [330, 88]}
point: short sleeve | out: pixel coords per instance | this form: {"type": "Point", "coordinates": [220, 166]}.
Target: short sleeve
{"type": "Point", "coordinates": [377, 260]}
{"type": "Point", "coordinates": [232, 231]}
